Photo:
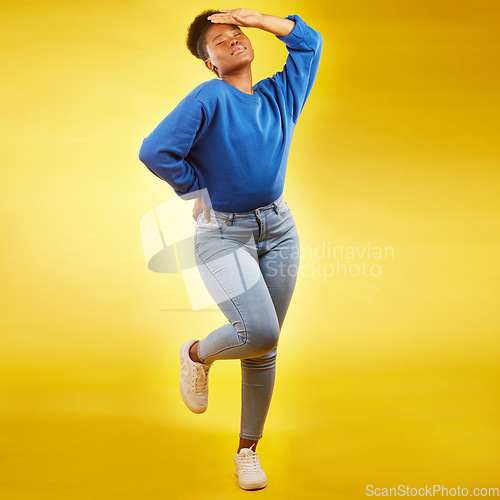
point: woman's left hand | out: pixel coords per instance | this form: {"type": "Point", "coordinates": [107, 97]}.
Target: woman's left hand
{"type": "Point", "coordinates": [240, 17]}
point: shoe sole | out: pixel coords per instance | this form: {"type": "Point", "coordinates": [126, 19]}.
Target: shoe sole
{"type": "Point", "coordinates": [250, 486]}
{"type": "Point", "coordinates": [195, 409]}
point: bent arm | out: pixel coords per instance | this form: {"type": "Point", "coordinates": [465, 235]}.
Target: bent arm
{"type": "Point", "coordinates": [165, 150]}
{"type": "Point", "coordinates": [304, 45]}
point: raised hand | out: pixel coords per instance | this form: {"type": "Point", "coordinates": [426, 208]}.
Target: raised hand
{"type": "Point", "coordinates": [240, 17]}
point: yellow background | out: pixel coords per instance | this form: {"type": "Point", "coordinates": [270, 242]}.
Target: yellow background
{"type": "Point", "coordinates": [383, 380]}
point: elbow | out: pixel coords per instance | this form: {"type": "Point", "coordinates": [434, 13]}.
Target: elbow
{"type": "Point", "coordinates": [146, 154]}
{"type": "Point", "coordinates": [319, 42]}
{"type": "Point", "coordinates": [314, 41]}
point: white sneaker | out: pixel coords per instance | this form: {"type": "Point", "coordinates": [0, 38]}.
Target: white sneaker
{"type": "Point", "coordinates": [247, 468]}
{"type": "Point", "coordinates": [194, 381]}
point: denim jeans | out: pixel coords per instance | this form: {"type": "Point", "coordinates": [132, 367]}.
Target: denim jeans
{"type": "Point", "coordinates": [249, 263]}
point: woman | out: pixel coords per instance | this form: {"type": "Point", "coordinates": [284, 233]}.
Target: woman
{"type": "Point", "coordinates": [226, 144]}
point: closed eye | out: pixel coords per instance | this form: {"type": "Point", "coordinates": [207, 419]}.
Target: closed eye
{"type": "Point", "coordinates": [236, 34]}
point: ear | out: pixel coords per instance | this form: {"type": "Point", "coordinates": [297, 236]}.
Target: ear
{"type": "Point", "coordinates": [209, 65]}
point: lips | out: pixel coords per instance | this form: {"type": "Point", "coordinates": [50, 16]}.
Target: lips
{"type": "Point", "coordinates": [237, 49]}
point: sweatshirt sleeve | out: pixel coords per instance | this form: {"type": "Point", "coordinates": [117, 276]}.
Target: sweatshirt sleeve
{"type": "Point", "coordinates": [165, 150]}
{"type": "Point", "coordinates": [304, 46]}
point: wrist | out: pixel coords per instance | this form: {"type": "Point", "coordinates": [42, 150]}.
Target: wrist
{"type": "Point", "coordinates": [279, 26]}
{"type": "Point", "coordinates": [261, 22]}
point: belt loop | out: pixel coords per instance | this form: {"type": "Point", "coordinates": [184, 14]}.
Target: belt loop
{"type": "Point", "coordinates": [230, 219]}
{"type": "Point", "coordinates": [276, 209]}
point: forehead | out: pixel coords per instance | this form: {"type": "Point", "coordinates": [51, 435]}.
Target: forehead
{"type": "Point", "coordinates": [219, 29]}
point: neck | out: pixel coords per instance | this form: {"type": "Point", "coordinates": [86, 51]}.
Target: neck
{"type": "Point", "coordinates": [241, 80]}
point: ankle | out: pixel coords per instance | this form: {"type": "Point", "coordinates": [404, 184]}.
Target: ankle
{"type": "Point", "coordinates": [193, 352]}
{"type": "Point", "coordinates": [247, 443]}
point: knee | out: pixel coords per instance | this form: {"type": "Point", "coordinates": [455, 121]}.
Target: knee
{"type": "Point", "coordinates": [262, 337]}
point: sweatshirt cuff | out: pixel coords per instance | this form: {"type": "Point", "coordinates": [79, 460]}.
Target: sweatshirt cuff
{"type": "Point", "coordinates": [296, 36]}
{"type": "Point", "coordinates": [191, 193]}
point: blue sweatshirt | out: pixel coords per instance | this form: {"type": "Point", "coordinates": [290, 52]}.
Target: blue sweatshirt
{"type": "Point", "coordinates": [232, 143]}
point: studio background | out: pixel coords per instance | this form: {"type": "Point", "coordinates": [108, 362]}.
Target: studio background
{"type": "Point", "coordinates": [385, 380]}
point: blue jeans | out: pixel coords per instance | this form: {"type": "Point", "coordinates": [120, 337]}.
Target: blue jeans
{"type": "Point", "coordinates": [249, 263]}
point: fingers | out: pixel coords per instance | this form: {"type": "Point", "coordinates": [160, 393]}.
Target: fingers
{"type": "Point", "coordinates": [199, 206]}
{"type": "Point", "coordinates": [206, 214]}
{"type": "Point", "coordinates": [222, 19]}
{"type": "Point", "coordinates": [223, 12]}
{"type": "Point", "coordinates": [225, 16]}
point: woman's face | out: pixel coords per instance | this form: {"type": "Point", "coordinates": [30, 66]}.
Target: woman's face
{"type": "Point", "coordinates": [229, 49]}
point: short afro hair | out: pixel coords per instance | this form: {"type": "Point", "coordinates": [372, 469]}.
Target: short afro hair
{"type": "Point", "coordinates": [195, 40]}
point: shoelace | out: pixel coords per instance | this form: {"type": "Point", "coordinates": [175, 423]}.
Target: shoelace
{"type": "Point", "coordinates": [249, 461]}
{"type": "Point", "coordinates": [200, 378]}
